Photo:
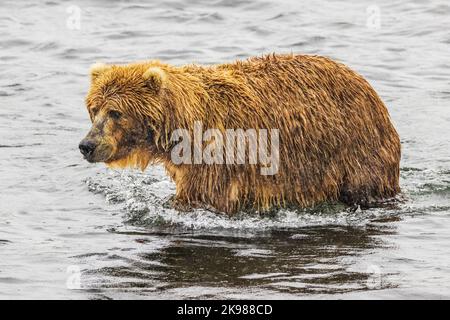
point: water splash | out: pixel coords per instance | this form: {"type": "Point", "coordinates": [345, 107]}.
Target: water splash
{"type": "Point", "coordinates": [145, 199]}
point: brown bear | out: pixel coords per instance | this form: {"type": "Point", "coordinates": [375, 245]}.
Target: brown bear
{"type": "Point", "coordinates": [335, 138]}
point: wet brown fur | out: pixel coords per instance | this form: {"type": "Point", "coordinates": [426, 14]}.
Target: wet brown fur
{"type": "Point", "coordinates": [336, 138]}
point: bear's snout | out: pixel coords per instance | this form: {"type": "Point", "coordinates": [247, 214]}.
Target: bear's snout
{"type": "Point", "coordinates": [87, 148]}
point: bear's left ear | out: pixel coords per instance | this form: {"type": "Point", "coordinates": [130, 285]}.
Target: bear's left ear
{"type": "Point", "coordinates": [97, 69]}
{"type": "Point", "coordinates": [154, 78]}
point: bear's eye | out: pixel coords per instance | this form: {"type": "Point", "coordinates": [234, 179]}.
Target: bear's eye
{"type": "Point", "coordinates": [93, 112]}
{"type": "Point", "coordinates": [115, 114]}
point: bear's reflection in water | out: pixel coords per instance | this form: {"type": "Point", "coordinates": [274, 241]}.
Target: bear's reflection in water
{"type": "Point", "coordinates": [327, 260]}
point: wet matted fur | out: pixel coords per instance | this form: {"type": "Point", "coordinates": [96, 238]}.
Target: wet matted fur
{"type": "Point", "coordinates": [336, 138]}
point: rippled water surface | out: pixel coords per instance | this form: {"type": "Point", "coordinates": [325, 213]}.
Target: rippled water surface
{"type": "Point", "coordinates": [62, 219]}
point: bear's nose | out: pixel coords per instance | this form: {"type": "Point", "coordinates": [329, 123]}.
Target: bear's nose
{"type": "Point", "coordinates": [86, 147]}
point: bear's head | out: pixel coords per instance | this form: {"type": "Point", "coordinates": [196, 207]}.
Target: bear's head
{"type": "Point", "coordinates": [125, 105]}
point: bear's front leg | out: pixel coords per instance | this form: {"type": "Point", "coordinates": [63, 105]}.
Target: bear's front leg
{"type": "Point", "coordinates": [206, 191]}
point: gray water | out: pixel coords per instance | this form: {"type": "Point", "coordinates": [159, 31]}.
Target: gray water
{"type": "Point", "coordinates": [69, 229]}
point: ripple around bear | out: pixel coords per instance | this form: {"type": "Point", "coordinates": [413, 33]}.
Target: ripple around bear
{"type": "Point", "coordinates": [336, 140]}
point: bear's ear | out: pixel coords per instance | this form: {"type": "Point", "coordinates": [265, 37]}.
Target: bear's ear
{"type": "Point", "coordinates": [97, 69]}
{"type": "Point", "coordinates": [154, 78]}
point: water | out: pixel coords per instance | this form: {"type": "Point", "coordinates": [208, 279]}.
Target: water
{"type": "Point", "coordinates": [60, 215]}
